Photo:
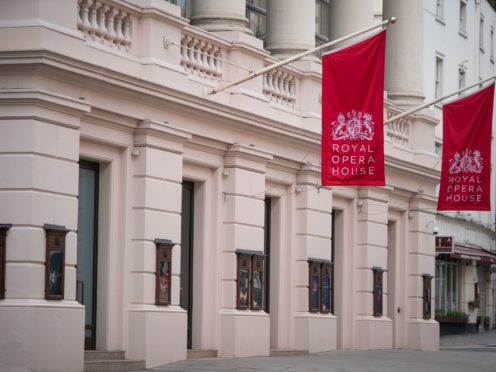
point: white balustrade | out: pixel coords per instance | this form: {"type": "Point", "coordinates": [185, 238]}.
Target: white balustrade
{"type": "Point", "coordinates": [200, 57]}
{"type": "Point", "coordinates": [398, 131]}
{"type": "Point", "coordinates": [280, 87]}
{"type": "Point", "coordinates": [102, 22]}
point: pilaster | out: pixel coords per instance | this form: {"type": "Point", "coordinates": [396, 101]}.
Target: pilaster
{"type": "Point", "coordinates": [421, 334]}
{"type": "Point", "coordinates": [156, 211]}
{"type": "Point", "coordinates": [314, 331]}
{"type": "Point", "coordinates": [39, 142]}
{"type": "Point", "coordinates": [372, 332]}
{"type": "Point", "coordinates": [244, 190]}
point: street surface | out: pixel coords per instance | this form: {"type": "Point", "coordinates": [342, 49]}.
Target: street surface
{"type": "Point", "coordinates": [470, 353]}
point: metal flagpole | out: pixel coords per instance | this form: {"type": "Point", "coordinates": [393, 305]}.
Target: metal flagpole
{"type": "Point", "coordinates": [415, 109]}
{"type": "Point", "coordinates": [262, 71]}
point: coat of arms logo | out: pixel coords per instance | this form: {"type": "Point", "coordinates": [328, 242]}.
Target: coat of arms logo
{"type": "Point", "coordinates": [469, 161]}
{"type": "Point", "coordinates": [355, 125]}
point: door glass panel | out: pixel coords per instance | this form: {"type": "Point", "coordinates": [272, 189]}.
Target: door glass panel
{"type": "Point", "coordinates": [86, 243]}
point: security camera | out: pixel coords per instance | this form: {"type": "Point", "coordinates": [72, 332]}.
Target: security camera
{"type": "Point", "coordinates": [435, 230]}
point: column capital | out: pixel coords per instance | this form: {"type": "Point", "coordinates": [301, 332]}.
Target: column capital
{"type": "Point", "coordinates": [247, 157]}
{"type": "Point", "coordinates": [160, 135]}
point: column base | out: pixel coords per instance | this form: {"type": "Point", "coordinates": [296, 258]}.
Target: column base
{"type": "Point", "coordinates": [244, 334]}
{"type": "Point", "coordinates": [41, 335]}
{"type": "Point", "coordinates": [315, 332]}
{"type": "Point", "coordinates": [423, 335]}
{"type": "Point", "coordinates": [157, 335]}
{"type": "Point", "coordinates": [373, 333]}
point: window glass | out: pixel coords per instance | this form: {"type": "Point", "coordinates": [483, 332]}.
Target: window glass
{"type": "Point", "coordinates": [463, 17]}
{"type": "Point", "coordinates": [256, 12]}
{"type": "Point", "coordinates": [439, 78]}
{"type": "Point", "coordinates": [322, 32]}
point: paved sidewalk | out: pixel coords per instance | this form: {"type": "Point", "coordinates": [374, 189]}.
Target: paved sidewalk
{"type": "Point", "coordinates": [459, 353]}
{"type": "Point", "coordinates": [483, 338]}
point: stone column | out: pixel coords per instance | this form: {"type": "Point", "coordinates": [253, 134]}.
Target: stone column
{"type": "Point", "coordinates": [244, 186]}
{"type": "Point", "coordinates": [290, 27]}
{"type": "Point", "coordinates": [372, 332]}
{"type": "Point", "coordinates": [404, 56]}
{"type": "Point", "coordinates": [350, 16]}
{"type": "Point", "coordinates": [157, 215]}
{"type": "Point", "coordinates": [220, 15]}
{"type": "Point", "coordinates": [39, 138]}
{"type": "Point", "coordinates": [313, 240]}
{"type": "Point", "coordinates": [421, 334]}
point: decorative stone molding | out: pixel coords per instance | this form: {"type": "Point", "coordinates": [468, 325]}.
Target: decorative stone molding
{"type": "Point", "coordinates": [105, 23]}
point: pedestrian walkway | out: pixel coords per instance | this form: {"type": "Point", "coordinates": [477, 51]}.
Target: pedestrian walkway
{"type": "Point", "coordinates": [482, 338]}
{"type": "Point", "coordinates": [459, 353]}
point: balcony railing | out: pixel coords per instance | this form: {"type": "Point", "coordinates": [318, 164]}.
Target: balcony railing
{"type": "Point", "coordinates": [280, 87]}
{"type": "Point", "coordinates": [105, 23]}
{"type": "Point", "coordinates": [200, 57]}
{"type": "Point", "coordinates": [399, 130]}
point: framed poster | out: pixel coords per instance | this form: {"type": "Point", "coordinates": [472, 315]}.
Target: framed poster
{"type": "Point", "coordinates": [377, 292]}
{"type": "Point", "coordinates": [163, 272]}
{"type": "Point", "coordinates": [55, 262]}
{"type": "Point", "coordinates": [426, 297]}
{"type": "Point", "coordinates": [257, 283]}
{"type": "Point", "coordinates": [3, 247]}
{"type": "Point", "coordinates": [243, 285]}
{"type": "Point", "coordinates": [326, 288]}
{"type": "Point", "coordinates": [314, 287]}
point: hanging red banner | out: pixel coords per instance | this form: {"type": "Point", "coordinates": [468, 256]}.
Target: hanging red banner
{"type": "Point", "coordinates": [352, 114]}
{"type": "Point", "coordinates": [466, 165]}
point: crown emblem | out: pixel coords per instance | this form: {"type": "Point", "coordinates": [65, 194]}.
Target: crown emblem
{"type": "Point", "coordinates": [355, 125]}
{"type": "Point", "coordinates": [469, 161]}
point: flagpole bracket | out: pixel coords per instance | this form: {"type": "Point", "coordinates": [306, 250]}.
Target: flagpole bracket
{"type": "Point", "coordinates": [167, 42]}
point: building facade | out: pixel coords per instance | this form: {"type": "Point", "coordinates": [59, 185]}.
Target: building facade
{"type": "Point", "coordinates": [458, 52]}
{"type": "Point", "coordinates": [141, 213]}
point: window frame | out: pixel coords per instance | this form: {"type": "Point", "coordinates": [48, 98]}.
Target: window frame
{"type": "Point", "coordinates": [261, 12]}
{"type": "Point", "coordinates": [438, 76]}
{"type": "Point", "coordinates": [257, 266]}
{"type": "Point", "coordinates": [248, 260]}
{"type": "Point", "coordinates": [163, 248]}
{"type": "Point", "coordinates": [55, 242]}
{"type": "Point", "coordinates": [447, 298]}
{"type": "Point", "coordinates": [440, 10]}
{"type": "Point", "coordinates": [317, 269]}
{"type": "Point", "coordinates": [462, 20]}
{"type": "Point", "coordinates": [321, 38]}
{"type": "Point", "coordinates": [378, 291]}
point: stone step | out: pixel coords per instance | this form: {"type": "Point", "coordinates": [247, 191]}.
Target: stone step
{"type": "Point", "coordinates": [114, 365]}
{"type": "Point", "coordinates": [198, 354]}
{"type": "Point", "coordinates": [90, 355]}
{"type": "Point", "coordinates": [287, 352]}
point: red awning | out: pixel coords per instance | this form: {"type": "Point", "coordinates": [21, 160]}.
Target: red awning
{"type": "Point", "coordinates": [474, 254]}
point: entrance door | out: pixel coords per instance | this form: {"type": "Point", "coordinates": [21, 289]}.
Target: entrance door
{"type": "Point", "coordinates": [186, 291]}
{"type": "Point", "coordinates": [87, 247]}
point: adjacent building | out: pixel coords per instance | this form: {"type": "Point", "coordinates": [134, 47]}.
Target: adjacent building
{"type": "Point", "coordinates": [458, 51]}
{"type": "Point", "coordinates": [141, 213]}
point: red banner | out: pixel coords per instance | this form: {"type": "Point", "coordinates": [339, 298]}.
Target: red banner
{"type": "Point", "coordinates": [352, 114]}
{"type": "Point", "coordinates": [466, 166]}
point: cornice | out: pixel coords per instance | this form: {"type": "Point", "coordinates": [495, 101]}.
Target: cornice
{"type": "Point", "coordinates": [82, 71]}
{"type": "Point", "coordinates": [40, 100]}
